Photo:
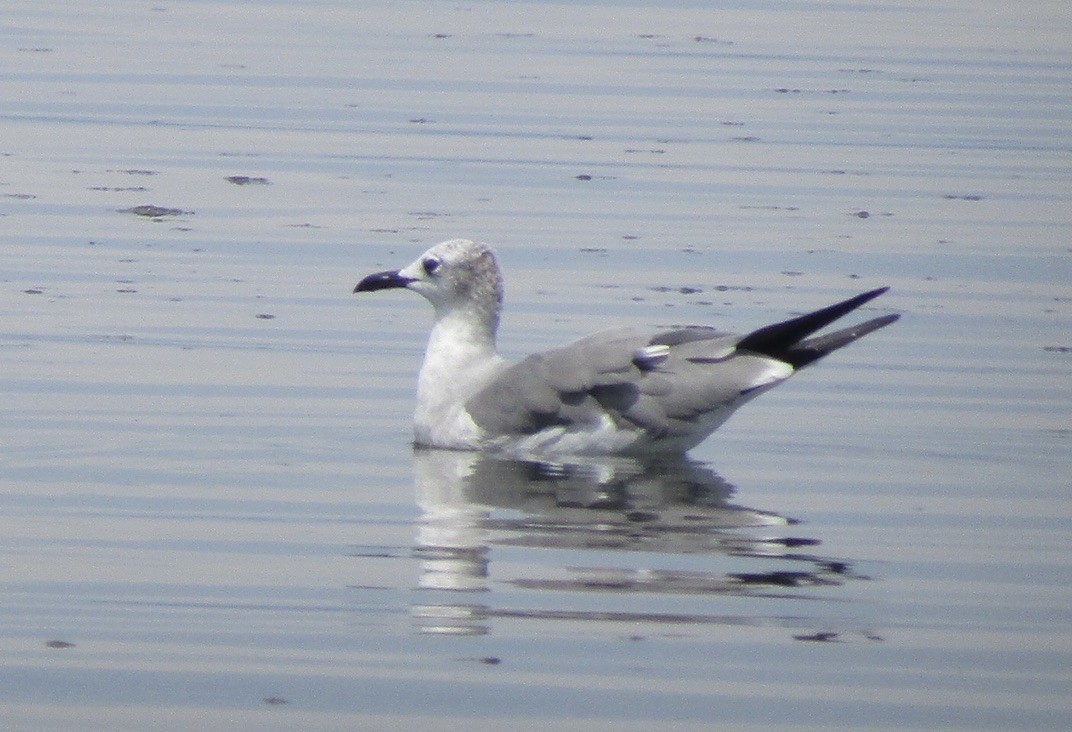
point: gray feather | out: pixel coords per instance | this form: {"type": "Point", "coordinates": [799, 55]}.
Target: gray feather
{"type": "Point", "coordinates": [600, 375]}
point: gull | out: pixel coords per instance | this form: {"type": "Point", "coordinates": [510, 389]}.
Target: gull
{"type": "Point", "coordinates": [631, 390]}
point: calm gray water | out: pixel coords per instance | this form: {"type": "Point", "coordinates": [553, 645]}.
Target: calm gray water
{"type": "Point", "coordinates": [211, 516]}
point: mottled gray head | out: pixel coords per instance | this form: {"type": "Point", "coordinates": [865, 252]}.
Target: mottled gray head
{"type": "Point", "coordinates": [457, 275]}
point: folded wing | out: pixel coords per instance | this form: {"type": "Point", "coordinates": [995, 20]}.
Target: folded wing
{"type": "Point", "coordinates": [664, 383]}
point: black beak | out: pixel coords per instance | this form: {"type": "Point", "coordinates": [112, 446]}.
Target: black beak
{"type": "Point", "coordinates": [382, 281]}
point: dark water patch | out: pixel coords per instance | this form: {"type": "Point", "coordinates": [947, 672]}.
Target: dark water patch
{"type": "Point", "coordinates": [153, 211]}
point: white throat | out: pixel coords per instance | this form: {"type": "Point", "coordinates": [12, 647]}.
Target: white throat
{"type": "Point", "coordinates": [460, 357]}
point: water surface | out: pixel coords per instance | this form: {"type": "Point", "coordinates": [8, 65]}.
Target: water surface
{"type": "Point", "coordinates": [211, 514]}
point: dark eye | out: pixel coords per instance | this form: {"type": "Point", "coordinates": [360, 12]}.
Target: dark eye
{"type": "Point", "coordinates": [431, 264]}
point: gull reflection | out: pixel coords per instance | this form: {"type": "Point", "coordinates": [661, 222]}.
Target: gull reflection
{"type": "Point", "coordinates": [508, 538]}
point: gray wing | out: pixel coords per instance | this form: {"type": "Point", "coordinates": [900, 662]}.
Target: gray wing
{"type": "Point", "coordinates": [657, 381]}
{"type": "Point", "coordinates": [663, 382]}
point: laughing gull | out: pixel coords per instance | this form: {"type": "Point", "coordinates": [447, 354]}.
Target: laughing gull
{"type": "Point", "coordinates": [630, 390]}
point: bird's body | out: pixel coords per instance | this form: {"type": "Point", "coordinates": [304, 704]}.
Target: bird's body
{"type": "Point", "coordinates": [629, 390]}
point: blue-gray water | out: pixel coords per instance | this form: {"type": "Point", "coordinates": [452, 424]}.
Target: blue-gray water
{"type": "Point", "coordinates": [211, 515]}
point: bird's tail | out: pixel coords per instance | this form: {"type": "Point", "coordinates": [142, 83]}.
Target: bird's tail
{"type": "Point", "coordinates": [788, 341]}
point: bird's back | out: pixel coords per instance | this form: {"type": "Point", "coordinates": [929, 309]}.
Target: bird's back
{"type": "Point", "coordinates": [623, 390]}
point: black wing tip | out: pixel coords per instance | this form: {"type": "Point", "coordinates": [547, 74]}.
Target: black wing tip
{"type": "Point", "coordinates": [871, 294]}
{"type": "Point", "coordinates": [811, 350]}
{"type": "Point", "coordinates": [779, 339]}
